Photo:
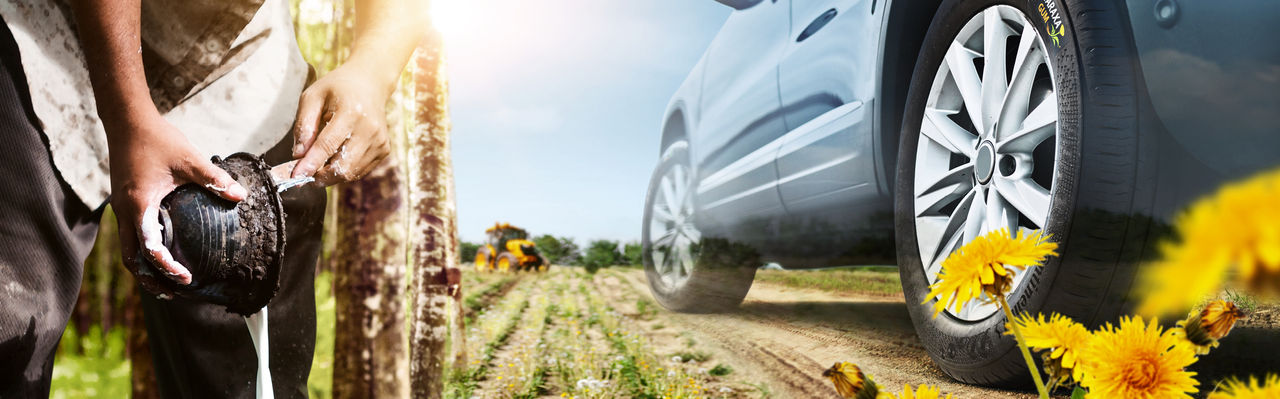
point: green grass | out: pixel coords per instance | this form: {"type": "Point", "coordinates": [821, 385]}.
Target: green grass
{"type": "Point", "coordinates": [100, 372]}
{"type": "Point", "coordinates": [720, 370]}
{"type": "Point", "coordinates": [1247, 303]}
{"type": "Point", "coordinates": [864, 280]}
{"type": "Point", "coordinates": [690, 356]}
{"type": "Point", "coordinates": [320, 382]}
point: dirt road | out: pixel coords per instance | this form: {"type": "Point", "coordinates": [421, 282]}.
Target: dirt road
{"type": "Point", "coordinates": [566, 333]}
{"type": "Point", "coordinates": [784, 337]}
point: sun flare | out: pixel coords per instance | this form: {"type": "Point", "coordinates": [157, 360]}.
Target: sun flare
{"type": "Point", "coordinates": [456, 19]}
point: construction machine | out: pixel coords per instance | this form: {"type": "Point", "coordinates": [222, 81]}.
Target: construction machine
{"type": "Point", "coordinates": [508, 248]}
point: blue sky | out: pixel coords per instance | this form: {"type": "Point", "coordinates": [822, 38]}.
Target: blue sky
{"type": "Point", "coordinates": [556, 107]}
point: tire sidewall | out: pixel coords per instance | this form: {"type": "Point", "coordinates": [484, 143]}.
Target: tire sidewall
{"type": "Point", "coordinates": [969, 350]}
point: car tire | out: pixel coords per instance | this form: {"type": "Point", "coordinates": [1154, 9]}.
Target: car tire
{"type": "Point", "coordinates": [718, 274]}
{"type": "Point", "coordinates": [1095, 200]}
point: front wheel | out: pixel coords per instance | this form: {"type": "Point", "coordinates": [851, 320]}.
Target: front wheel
{"type": "Point", "coordinates": [507, 261]}
{"type": "Point", "coordinates": [1003, 130]}
{"type": "Point", "coordinates": [688, 272]}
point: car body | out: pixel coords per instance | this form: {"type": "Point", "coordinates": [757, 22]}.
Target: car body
{"type": "Point", "coordinates": [818, 133]}
{"type": "Point", "coordinates": [793, 142]}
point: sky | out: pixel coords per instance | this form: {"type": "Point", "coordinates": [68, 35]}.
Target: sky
{"type": "Point", "coordinates": [557, 106]}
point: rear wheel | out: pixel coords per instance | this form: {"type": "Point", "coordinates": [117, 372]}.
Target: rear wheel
{"type": "Point", "coordinates": [1000, 132]}
{"type": "Point", "coordinates": [484, 259]}
{"type": "Point", "coordinates": [686, 271]}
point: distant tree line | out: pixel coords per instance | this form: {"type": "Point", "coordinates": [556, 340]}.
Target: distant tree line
{"type": "Point", "coordinates": [564, 251]}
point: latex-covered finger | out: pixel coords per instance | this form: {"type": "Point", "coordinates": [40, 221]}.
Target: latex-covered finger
{"type": "Point", "coordinates": [150, 234]}
{"type": "Point", "coordinates": [335, 133]}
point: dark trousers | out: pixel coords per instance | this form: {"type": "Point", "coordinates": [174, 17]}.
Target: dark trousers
{"type": "Point", "coordinates": [199, 350]}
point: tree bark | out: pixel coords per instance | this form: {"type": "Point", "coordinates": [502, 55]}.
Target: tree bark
{"type": "Point", "coordinates": [434, 229]}
{"type": "Point", "coordinates": [370, 360]}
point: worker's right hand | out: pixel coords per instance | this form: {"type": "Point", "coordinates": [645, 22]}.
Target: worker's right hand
{"type": "Point", "coordinates": [149, 158]}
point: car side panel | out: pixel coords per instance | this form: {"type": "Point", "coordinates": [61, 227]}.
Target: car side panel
{"type": "Point", "coordinates": [839, 212]}
{"type": "Point", "coordinates": [1213, 79]}
{"type": "Point", "coordinates": [738, 117]}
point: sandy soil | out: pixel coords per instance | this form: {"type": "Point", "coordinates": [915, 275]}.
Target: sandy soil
{"type": "Point", "coordinates": [784, 337]}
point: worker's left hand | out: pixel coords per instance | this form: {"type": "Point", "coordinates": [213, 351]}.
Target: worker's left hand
{"type": "Point", "coordinates": [340, 133]}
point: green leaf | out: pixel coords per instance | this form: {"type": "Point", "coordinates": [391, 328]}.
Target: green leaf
{"type": "Point", "coordinates": [1078, 393]}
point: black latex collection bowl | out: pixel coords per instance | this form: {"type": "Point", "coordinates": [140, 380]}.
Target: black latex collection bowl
{"type": "Point", "coordinates": [233, 250]}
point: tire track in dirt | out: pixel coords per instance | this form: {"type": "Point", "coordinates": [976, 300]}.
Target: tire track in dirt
{"type": "Point", "coordinates": [786, 337]}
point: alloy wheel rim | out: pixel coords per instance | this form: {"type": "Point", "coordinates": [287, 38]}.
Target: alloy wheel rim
{"type": "Point", "coordinates": [673, 236]}
{"type": "Point", "coordinates": [987, 157]}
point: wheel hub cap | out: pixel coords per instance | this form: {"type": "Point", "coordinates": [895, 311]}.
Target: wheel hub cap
{"type": "Point", "coordinates": [986, 162]}
{"type": "Point", "coordinates": [987, 153]}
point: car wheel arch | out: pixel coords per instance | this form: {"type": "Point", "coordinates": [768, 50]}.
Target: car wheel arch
{"type": "Point", "coordinates": [674, 129]}
{"type": "Point", "coordinates": [908, 21]}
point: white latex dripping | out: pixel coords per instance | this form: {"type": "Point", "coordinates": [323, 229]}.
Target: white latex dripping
{"type": "Point", "coordinates": [257, 324]}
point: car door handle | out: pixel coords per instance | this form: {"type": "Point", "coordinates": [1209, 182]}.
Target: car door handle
{"type": "Point", "coordinates": [817, 24]}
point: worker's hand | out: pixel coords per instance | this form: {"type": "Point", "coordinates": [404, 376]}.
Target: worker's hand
{"type": "Point", "coordinates": [340, 133]}
{"type": "Point", "coordinates": [149, 158]}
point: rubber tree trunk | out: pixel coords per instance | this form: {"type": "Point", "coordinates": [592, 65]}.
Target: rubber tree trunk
{"type": "Point", "coordinates": [434, 229]}
{"type": "Point", "coordinates": [370, 360]}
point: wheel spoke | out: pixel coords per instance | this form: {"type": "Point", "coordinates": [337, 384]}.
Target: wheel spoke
{"type": "Point", "coordinates": [661, 260]}
{"type": "Point", "coordinates": [667, 239]}
{"type": "Point", "coordinates": [681, 185]}
{"type": "Point", "coordinates": [1027, 197]}
{"type": "Point", "coordinates": [999, 214]}
{"type": "Point", "coordinates": [1039, 125]}
{"type": "Point", "coordinates": [662, 214]}
{"type": "Point", "coordinates": [692, 234]}
{"type": "Point", "coordinates": [1025, 64]}
{"type": "Point", "coordinates": [668, 193]}
{"type": "Point", "coordinates": [994, 84]}
{"type": "Point", "coordinates": [686, 259]}
{"type": "Point", "coordinates": [930, 203]}
{"type": "Point", "coordinates": [961, 175]}
{"type": "Point", "coordinates": [942, 130]}
{"type": "Point", "coordinates": [955, 223]}
{"type": "Point", "coordinates": [935, 265]}
{"type": "Point", "coordinates": [960, 62]}
{"type": "Point", "coordinates": [975, 219]}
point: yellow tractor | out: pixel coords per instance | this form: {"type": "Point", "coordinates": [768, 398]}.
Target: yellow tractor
{"type": "Point", "coordinates": [508, 249]}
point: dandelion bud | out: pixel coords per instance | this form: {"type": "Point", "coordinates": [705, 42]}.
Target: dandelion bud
{"type": "Point", "coordinates": [1204, 329]}
{"type": "Point", "coordinates": [850, 382]}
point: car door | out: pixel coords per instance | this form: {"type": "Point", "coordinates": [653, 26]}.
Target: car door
{"type": "Point", "coordinates": [735, 141]}
{"type": "Point", "coordinates": [826, 163]}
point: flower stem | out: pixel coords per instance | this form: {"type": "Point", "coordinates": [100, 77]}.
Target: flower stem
{"type": "Point", "coordinates": [1026, 353]}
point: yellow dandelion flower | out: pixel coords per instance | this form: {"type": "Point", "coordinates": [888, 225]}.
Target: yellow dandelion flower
{"type": "Point", "coordinates": [1234, 229]}
{"type": "Point", "coordinates": [1061, 338]}
{"type": "Point", "coordinates": [925, 391]}
{"type": "Point", "coordinates": [1236, 389]}
{"type": "Point", "coordinates": [987, 265]}
{"type": "Point", "coordinates": [850, 382]}
{"type": "Point", "coordinates": [1137, 360]}
{"type": "Point", "coordinates": [1203, 329]}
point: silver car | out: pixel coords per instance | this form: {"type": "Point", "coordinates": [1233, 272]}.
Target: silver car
{"type": "Point", "coordinates": [817, 133]}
